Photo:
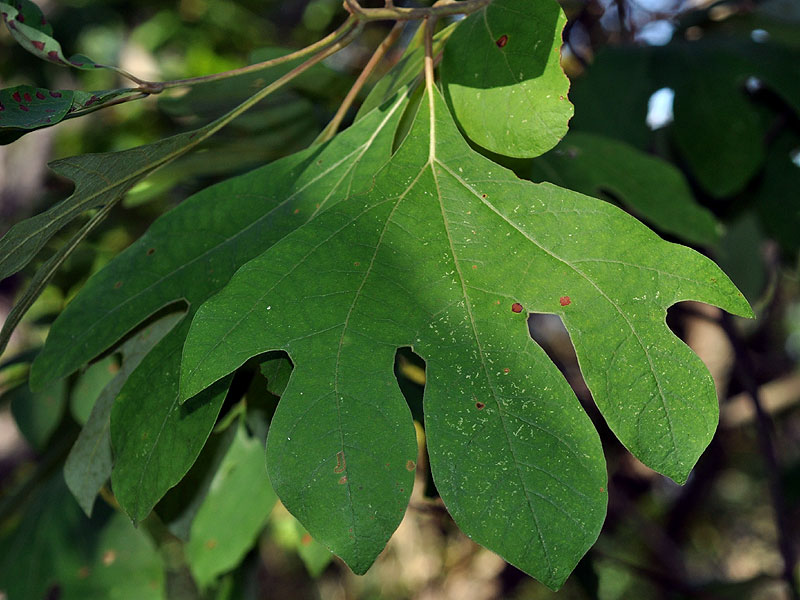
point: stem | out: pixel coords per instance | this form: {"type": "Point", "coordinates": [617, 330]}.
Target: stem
{"type": "Point", "coordinates": [156, 87]}
{"type": "Point", "coordinates": [764, 427]}
{"type": "Point", "coordinates": [396, 13]}
{"type": "Point", "coordinates": [389, 41]}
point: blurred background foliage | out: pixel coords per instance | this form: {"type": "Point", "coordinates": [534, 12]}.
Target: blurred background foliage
{"type": "Point", "coordinates": [686, 115]}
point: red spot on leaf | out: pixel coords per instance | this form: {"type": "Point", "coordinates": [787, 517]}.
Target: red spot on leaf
{"type": "Point", "coordinates": [21, 18]}
{"type": "Point", "coordinates": [506, 370]}
{"type": "Point", "coordinates": [23, 108]}
{"type": "Point", "coordinates": [602, 489]}
{"type": "Point", "coordinates": [341, 463]}
{"type": "Point", "coordinates": [479, 405]}
{"type": "Point", "coordinates": [343, 480]}
{"type": "Point", "coordinates": [55, 94]}
{"type": "Point", "coordinates": [296, 210]}
{"type": "Point", "coordinates": [40, 95]}
{"type": "Point", "coordinates": [502, 41]}
{"type": "Point", "coordinates": [16, 97]}
{"type": "Point", "coordinates": [211, 544]}
{"type": "Point", "coordinates": [564, 301]}
{"type": "Point", "coordinates": [306, 539]}
{"type": "Point", "coordinates": [53, 55]}
{"type": "Point", "coordinates": [474, 266]}
{"type": "Point", "coordinates": [38, 45]}
{"type": "Point", "coordinates": [76, 63]}
{"type": "Point", "coordinates": [356, 264]}
{"type": "Point", "coordinates": [83, 572]}
{"type": "Point", "coordinates": [516, 307]}
{"type": "Point", "coordinates": [2, 108]}
{"type": "Point", "coordinates": [117, 285]}
{"type": "Point", "coordinates": [27, 97]}
{"type": "Point", "coordinates": [411, 465]}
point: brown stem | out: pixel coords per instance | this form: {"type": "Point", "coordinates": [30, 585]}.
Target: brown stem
{"type": "Point", "coordinates": [389, 41]}
{"type": "Point", "coordinates": [398, 13]}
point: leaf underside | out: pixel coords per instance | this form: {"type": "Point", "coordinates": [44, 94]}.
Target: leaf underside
{"type": "Point", "coordinates": [438, 255]}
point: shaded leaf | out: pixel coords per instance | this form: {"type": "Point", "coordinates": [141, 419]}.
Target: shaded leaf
{"type": "Point", "coordinates": [650, 188]}
{"type": "Point", "coordinates": [510, 96]}
{"type": "Point", "coordinates": [237, 224]}
{"type": "Point", "coordinates": [89, 386]}
{"type": "Point", "coordinates": [30, 29]}
{"type": "Point", "coordinates": [225, 527]}
{"type": "Point", "coordinates": [89, 462]}
{"type": "Point", "coordinates": [446, 253]}
{"type": "Point", "coordinates": [25, 107]}
{"type": "Point", "coordinates": [37, 414]}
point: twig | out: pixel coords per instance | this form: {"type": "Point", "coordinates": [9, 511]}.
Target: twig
{"type": "Point", "coordinates": [764, 427]}
{"type": "Point", "coordinates": [389, 41]}
{"type": "Point", "coordinates": [398, 13]}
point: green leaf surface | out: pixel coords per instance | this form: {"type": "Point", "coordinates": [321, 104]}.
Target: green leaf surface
{"type": "Point", "coordinates": [30, 29]}
{"type": "Point", "coordinates": [510, 95]}
{"type": "Point", "coordinates": [650, 188]}
{"type": "Point", "coordinates": [154, 439]}
{"type": "Point", "coordinates": [89, 462]}
{"type": "Point", "coordinates": [233, 512]}
{"type": "Point", "coordinates": [277, 371]}
{"type": "Point", "coordinates": [239, 218]}
{"type": "Point", "coordinates": [37, 414]}
{"type": "Point", "coordinates": [26, 107]}
{"type": "Point", "coordinates": [446, 253]}
{"type": "Point", "coordinates": [55, 551]}
{"type": "Point", "coordinates": [89, 386]}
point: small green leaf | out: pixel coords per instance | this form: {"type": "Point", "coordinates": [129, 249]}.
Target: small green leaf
{"type": "Point", "coordinates": [89, 386]}
{"type": "Point", "coordinates": [155, 440]}
{"type": "Point", "coordinates": [510, 95]}
{"type": "Point", "coordinates": [648, 187]}
{"type": "Point", "coordinates": [38, 414]}
{"type": "Point", "coordinates": [26, 107]}
{"type": "Point", "coordinates": [30, 29]}
{"type": "Point", "coordinates": [233, 513]}
{"type": "Point", "coordinates": [447, 253]}
{"type": "Point", "coordinates": [88, 464]}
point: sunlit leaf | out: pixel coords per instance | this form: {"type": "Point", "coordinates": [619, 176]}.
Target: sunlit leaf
{"type": "Point", "coordinates": [510, 95]}
{"type": "Point", "coordinates": [447, 253]}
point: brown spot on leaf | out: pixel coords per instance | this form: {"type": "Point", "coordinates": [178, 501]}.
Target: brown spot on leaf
{"type": "Point", "coordinates": [343, 480]}
{"type": "Point", "coordinates": [502, 41]}
{"type": "Point", "coordinates": [211, 544]}
{"type": "Point", "coordinates": [506, 370]}
{"type": "Point", "coordinates": [151, 251]}
{"type": "Point", "coordinates": [109, 557]}
{"type": "Point", "coordinates": [411, 465]}
{"type": "Point", "coordinates": [83, 572]}
{"type": "Point", "coordinates": [306, 539]}
{"type": "Point", "coordinates": [602, 489]}
{"type": "Point", "coordinates": [479, 405]}
{"type": "Point", "coordinates": [564, 301]}
{"type": "Point", "coordinates": [516, 307]}
{"type": "Point", "coordinates": [117, 285]}
{"type": "Point", "coordinates": [38, 45]}
{"type": "Point", "coordinates": [341, 463]}
{"type": "Point", "coordinates": [55, 94]}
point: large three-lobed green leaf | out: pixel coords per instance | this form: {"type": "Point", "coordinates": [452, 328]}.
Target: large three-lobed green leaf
{"type": "Point", "coordinates": [447, 253]}
{"type": "Point", "coordinates": [187, 256]}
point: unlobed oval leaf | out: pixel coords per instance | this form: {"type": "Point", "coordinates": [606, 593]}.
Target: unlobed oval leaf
{"type": "Point", "coordinates": [502, 77]}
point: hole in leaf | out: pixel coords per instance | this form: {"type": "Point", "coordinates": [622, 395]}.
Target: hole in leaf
{"type": "Point", "coordinates": [409, 369]}
{"type": "Point", "coordinates": [549, 332]}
